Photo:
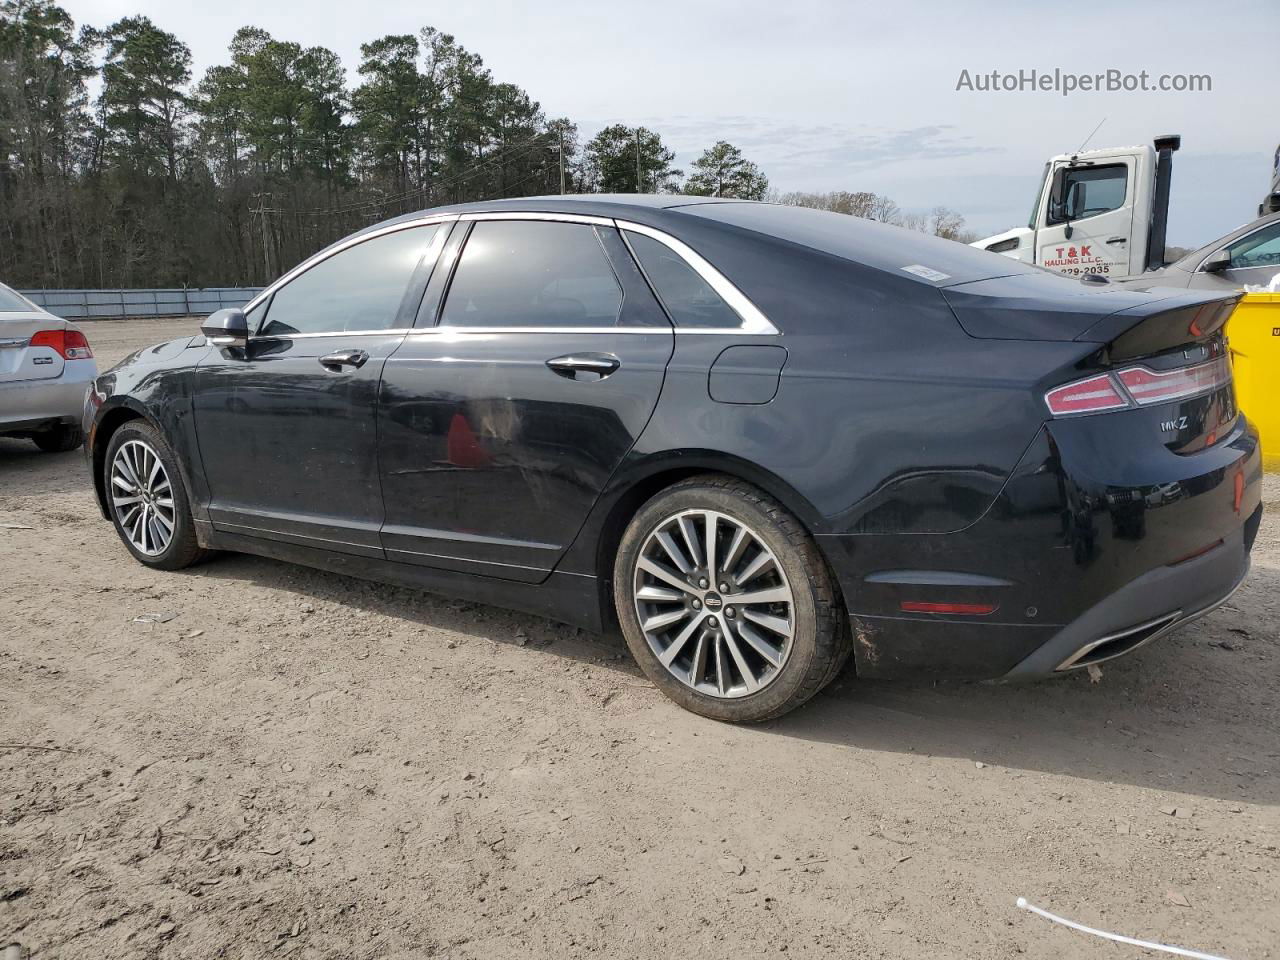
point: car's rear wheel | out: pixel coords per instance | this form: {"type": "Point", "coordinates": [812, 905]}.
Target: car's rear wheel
{"type": "Point", "coordinates": [148, 502]}
{"type": "Point", "coordinates": [726, 603]}
{"type": "Point", "coordinates": [60, 439]}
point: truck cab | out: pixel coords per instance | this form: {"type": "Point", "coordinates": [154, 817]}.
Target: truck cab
{"type": "Point", "coordinates": [1096, 211]}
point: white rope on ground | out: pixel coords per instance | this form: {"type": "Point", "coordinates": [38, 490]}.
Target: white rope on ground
{"type": "Point", "coordinates": [1145, 944]}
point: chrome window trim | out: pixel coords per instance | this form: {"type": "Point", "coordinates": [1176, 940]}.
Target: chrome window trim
{"type": "Point", "coordinates": [456, 330]}
{"type": "Point", "coordinates": [389, 332]}
{"type": "Point", "coordinates": [323, 255]}
{"type": "Point", "coordinates": [553, 217]}
{"type": "Point", "coordinates": [754, 322]}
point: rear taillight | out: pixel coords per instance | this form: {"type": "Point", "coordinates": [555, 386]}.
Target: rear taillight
{"type": "Point", "coordinates": [70, 344]}
{"type": "Point", "coordinates": [1150, 386]}
{"type": "Point", "coordinates": [1137, 386]}
{"type": "Point", "coordinates": [1085, 396]}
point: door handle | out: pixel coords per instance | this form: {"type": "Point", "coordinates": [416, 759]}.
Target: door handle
{"type": "Point", "coordinates": [1115, 240]}
{"type": "Point", "coordinates": [343, 358]}
{"type": "Point", "coordinates": [584, 366]}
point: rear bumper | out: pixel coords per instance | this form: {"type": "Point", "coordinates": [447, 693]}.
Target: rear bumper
{"type": "Point", "coordinates": [1094, 547]}
{"type": "Point", "coordinates": [29, 405]}
{"type": "Point", "coordinates": [1149, 607]}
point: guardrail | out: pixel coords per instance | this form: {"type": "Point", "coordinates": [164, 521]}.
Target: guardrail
{"type": "Point", "coordinates": [175, 302]}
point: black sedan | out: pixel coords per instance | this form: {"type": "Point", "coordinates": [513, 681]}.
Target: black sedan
{"type": "Point", "coordinates": [759, 438]}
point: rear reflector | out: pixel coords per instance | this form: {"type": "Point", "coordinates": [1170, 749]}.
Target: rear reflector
{"type": "Point", "coordinates": [1085, 396]}
{"type": "Point", "coordinates": [961, 609]}
{"type": "Point", "coordinates": [1141, 387]}
{"type": "Point", "coordinates": [1197, 553]}
{"type": "Point", "coordinates": [69, 344]}
{"type": "Point", "coordinates": [1148, 386]}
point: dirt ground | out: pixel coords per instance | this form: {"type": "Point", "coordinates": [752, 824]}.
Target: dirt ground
{"type": "Point", "coordinates": [298, 764]}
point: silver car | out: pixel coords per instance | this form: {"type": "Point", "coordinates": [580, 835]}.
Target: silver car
{"type": "Point", "coordinates": [1248, 255]}
{"type": "Point", "coordinates": [46, 365]}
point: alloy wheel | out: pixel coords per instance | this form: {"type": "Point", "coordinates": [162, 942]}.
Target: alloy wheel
{"type": "Point", "coordinates": [714, 603]}
{"type": "Point", "coordinates": [142, 496]}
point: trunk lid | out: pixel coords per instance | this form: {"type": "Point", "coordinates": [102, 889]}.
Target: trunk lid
{"type": "Point", "coordinates": [1044, 306]}
{"type": "Point", "coordinates": [19, 361]}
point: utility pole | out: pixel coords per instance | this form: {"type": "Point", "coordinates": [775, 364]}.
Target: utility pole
{"type": "Point", "coordinates": [562, 161]}
{"type": "Point", "coordinates": [639, 182]}
{"type": "Point", "coordinates": [260, 210]}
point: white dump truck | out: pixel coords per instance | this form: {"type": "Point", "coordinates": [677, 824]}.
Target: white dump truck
{"type": "Point", "coordinates": [1104, 213]}
{"type": "Point", "coordinates": [1097, 211]}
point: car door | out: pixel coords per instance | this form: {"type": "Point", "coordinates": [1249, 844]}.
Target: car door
{"type": "Point", "coordinates": [286, 426]}
{"type": "Point", "coordinates": [1096, 203]}
{"type": "Point", "coordinates": [501, 423]}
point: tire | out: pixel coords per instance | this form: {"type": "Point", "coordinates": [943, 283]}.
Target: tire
{"type": "Point", "coordinates": [712, 641]}
{"type": "Point", "coordinates": [61, 439]}
{"type": "Point", "coordinates": [166, 501]}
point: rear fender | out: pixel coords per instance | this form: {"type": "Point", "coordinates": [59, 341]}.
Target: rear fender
{"type": "Point", "coordinates": [642, 478]}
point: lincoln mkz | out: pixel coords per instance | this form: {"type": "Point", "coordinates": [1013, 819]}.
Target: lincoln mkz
{"type": "Point", "coordinates": [757, 438]}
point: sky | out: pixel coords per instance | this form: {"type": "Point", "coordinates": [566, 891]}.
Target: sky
{"type": "Point", "coordinates": [848, 96]}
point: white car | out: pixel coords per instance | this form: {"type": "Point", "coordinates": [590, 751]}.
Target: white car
{"type": "Point", "coordinates": [46, 366]}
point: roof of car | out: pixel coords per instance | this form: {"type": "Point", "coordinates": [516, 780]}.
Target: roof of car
{"type": "Point", "coordinates": [925, 259]}
{"type": "Point", "coordinates": [905, 254]}
{"type": "Point", "coordinates": [587, 204]}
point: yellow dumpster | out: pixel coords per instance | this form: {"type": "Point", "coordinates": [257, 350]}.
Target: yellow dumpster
{"type": "Point", "coordinates": [1254, 334]}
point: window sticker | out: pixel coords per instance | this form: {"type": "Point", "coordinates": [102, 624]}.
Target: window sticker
{"type": "Point", "coordinates": [937, 276]}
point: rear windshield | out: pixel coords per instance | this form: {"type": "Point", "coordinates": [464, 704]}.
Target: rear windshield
{"type": "Point", "coordinates": [11, 302]}
{"type": "Point", "coordinates": [906, 253]}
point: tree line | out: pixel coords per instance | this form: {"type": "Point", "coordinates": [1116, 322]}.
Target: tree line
{"type": "Point", "coordinates": [118, 168]}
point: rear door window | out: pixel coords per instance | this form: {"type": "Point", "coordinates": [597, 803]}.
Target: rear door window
{"type": "Point", "coordinates": [532, 273]}
{"type": "Point", "coordinates": [690, 301]}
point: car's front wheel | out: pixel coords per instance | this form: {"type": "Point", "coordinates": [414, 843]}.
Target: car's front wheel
{"type": "Point", "coordinates": [726, 603]}
{"type": "Point", "coordinates": [148, 502]}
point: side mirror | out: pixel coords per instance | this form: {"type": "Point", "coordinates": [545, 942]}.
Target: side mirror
{"type": "Point", "coordinates": [1218, 262]}
{"type": "Point", "coordinates": [1057, 196]}
{"type": "Point", "coordinates": [226, 328]}
{"type": "Point", "coordinates": [1075, 201]}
